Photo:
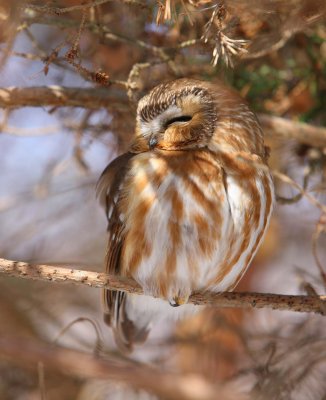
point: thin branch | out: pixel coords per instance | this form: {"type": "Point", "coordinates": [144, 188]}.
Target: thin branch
{"type": "Point", "coordinates": [298, 22]}
{"type": "Point", "coordinates": [67, 274]}
{"type": "Point", "coordinates": [286, 179]}
{"type": "Point", "coordinates": [288, 129]}
{"type": "Point", "coordinates": [60, 96]}
{"type": "Point", "coordinates": [105, 34]}
{"type": "Point", "coordinates": [35, 131]}
{"type": "Point", "coordinates": [41, 381]}
{"type": "Point", "coordinates": [64, 10]}
{"type": "Point", "coordinates": [281, 42]}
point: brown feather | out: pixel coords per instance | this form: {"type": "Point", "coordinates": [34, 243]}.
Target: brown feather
{"type": "Point", "coordinates": [109, 191]}
{"type": "Point", "coordinates": [188, 205]}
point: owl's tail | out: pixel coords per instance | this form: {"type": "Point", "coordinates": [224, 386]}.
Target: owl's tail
{"type": "Point", "coordinates": [129, 329]}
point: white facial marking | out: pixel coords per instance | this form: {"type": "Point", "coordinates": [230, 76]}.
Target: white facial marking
{"type": "Point", "coordinates": [157, 124]}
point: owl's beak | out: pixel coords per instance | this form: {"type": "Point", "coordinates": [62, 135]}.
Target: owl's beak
{"type": "Point", "coordinates": [152, 142]}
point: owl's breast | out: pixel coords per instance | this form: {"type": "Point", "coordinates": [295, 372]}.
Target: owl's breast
{"type": "Point", "coordinates": [189, 225]}
{"type": "Point", "coordinates": [176, 214]}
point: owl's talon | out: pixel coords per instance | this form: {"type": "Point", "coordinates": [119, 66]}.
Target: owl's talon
{"type": "Point", "coordinates": [173, 303]}
{"type": "Point", "coordinates": [178, 301]}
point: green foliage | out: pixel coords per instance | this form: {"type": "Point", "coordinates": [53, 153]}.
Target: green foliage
{"type": "Point", "coordinates": [300, 61]}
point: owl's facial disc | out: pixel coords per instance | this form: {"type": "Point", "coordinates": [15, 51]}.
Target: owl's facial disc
{"type": "Point", "coordinates": [175, 120]}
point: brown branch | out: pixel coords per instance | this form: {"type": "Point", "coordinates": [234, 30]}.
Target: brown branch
{"type": "Point", "coordinates": [67, 274]}
{"type": "Point", "coordinates": [167, 385]}
{"type": "Point", "coordinates": [90, 4]}
{"type": "Point", "coordinates": [107, 35]}
{"type": "Point", "coordinates": [286, 179]}
{"type": "Point", "coordinates": [60, 96]}
{"type": "Point", "coordinates": [165, 54]}
{"type": "Point", "coordinates": [94, 98]}
{"type": "Point", "coordinates": [288, 129]}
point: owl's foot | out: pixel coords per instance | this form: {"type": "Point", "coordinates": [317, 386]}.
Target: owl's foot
{"type": "Point", "coordinates": [178, 301]}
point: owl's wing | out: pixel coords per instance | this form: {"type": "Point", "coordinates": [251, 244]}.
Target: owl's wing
{"type": "Point", "coordinates": [108, 191]}
{"type": "Point", "coordinates": [109, 194]}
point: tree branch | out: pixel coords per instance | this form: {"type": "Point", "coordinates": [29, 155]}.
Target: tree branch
{"type": "Point", "coordinates": [165, 384]}
{"type": "Point", "coordinates": [288, 129]}
{"type": "Point", "coordinates": [60, 96]}
{"type": "Point", "coordinates": [63, 10]}
{"type": "Point", "coordinates": [107, 36]}
{"type": "Point", "coordinates": [94, 98]}
{"type": "Point", "coordinates": [316, 304]}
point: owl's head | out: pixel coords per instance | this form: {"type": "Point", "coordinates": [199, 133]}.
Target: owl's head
{"type": "Point", "coordinates": [176, 115]}
{"type": "Point", "coordinates": [188, 114]}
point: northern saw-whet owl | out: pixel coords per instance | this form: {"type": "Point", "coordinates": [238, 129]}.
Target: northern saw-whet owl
{"type": "Point", "coordinates": [187, 205]}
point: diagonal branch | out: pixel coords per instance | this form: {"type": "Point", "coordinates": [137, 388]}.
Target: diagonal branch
{"type": "Point", "coordinates": [50, 273]}
{"type": "Point", "coordinates": [170, 385]}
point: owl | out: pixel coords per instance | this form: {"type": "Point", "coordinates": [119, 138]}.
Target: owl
{"type": "Point", "coordinates": [187, 205]}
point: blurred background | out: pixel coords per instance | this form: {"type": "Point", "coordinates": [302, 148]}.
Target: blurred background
{"type": "Point", "coordinates": [274, 53]}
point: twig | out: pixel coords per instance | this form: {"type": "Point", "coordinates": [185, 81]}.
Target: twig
{"type": "Point", "coordinates": [167, 385]}
{"type": "Point", "coordinates": [78, 151]}
{"type": "Point", "coordinates": [35, 131]}
{"type": "Point", "coordinates": [97, 329]}
{"type": "Point", "coordinates": [64, 10]}
{"type": "Point", "coordinates": [107, 35]}
{"type": "Point", "coordinates": [165, 54]}
{"type": "Point", "coordinates": [28, 56]}
{"type": "Point", "coordinates": [100, 280]}
{"type": "Point", "coordinates": [281, 42]}
{"type": "Point", "coordinates": [320, 228]}
{"type": "Point", "coordinates": [41, 380]}
{"type": "Point", "coordinates": [286, 179]}
{"type": "Point", "coordinates": [298, 22]}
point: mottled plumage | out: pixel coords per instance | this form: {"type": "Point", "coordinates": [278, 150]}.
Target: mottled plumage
{"type": "Point", "coordinates": [187, 205]}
